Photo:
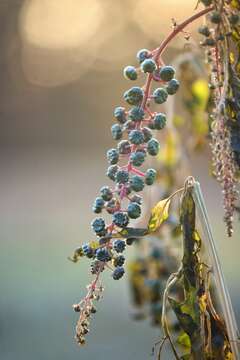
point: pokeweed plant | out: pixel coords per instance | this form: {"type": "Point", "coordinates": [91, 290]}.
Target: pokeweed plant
{"type": "Point", "coordinates": [205, 333]}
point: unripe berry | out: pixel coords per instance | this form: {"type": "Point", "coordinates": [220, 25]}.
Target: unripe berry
{"type": "Point", "coordinates": [122, 176]}
{"type": "Point", "coordinates": [118, 273]}
{"type": "Point", "coordinates": [204, 30]}
{"type": "Point", "coordinates": [112, 156]}
{"type": "Point", "coordinates": [234, 19]}
{"type": "Point", "coordinates": [148, 66]}
{"type": "Point", "coordinates": [111, 172]}
{"type": "Point", "coordinates": [130, 73]}
{"type": "Point", "coordinates": [111, 206]}
{"type": "Point", "coordinates": [120, 219]}
{"type": "Point", "coordinates": [116, 132]}
{"type": "Point", "coordinates": [153, 147]}
{"type": "Point", "coordinates": [102, 254]}
{"type": "Point", "coordinates": [134, 210]}
{"type": "Point", "coordinates": [142, 55]}
{"type": "Point", "coordinates": [120, 114]}
{"type": "Point", "coordinates": [136, 113]}
{"type": "Point", "coordinates": [136, 198]}
{"type": "Point", "coordinates": [137, 158]}
{"type": "Point", "coordinates": [215, 17]}
{"type": "Point", "coordinates": [147, 134]}
{"type": "Point", "coordinates": [98, 225]}
{"type": "Point", "coordinates": [166, 73]}
{"type": "Point", "coordinates": [160, 95]}
{"type": "Point", "coordinates": [119, 245]}
{"type": "Point", "coordinates": [173, 86]}
{"type": "Point", "coordinates": [134, 95]}
{"type": "Point", "coordinates": [119, 260]}
{"type": "Point", "coordinates": [136, 137]}
{"type": "Point", "coordinates": [98, 205]}
{"type": "Point", "coordinates": [106, 193]}
{"type": "Point", "coordinates": [137, 183]}
{"type": "Point", "coordinates": [124, 147]}
{"type": "Point", "coordinates": [150, 176]}
{"type": "Point", "coordinates": [87, 250]}
{"type": "Point", "coordinates": [159, 121]}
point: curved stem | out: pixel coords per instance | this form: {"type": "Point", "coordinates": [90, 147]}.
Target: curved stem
{"type": "Point", "coordinates": [177, 29]}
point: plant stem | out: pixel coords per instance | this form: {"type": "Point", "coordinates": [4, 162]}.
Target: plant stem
{"type": "Point", "coordinates": [177, 29]}
{"type": "Point", "coordinates": [224, 296]}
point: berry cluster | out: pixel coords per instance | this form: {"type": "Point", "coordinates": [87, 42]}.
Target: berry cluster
{"type": "Point", "coordinates": [137, 124]}
{"type": "Point", "coordinates": [134, 130]}
{"type": "Point", "coordinates": [220, 42]}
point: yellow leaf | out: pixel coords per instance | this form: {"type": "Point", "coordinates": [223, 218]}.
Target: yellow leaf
{"type": "Point", "coordinates": [158, 215]}
{"type": "Point", "coordinates": [184, 340]}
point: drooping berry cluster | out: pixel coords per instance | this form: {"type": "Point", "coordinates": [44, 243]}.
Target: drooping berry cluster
{"type": "Point", "coordinates": [220, 40]}
{"type": "Point", "coordinates": [136, 124]}
{"type": "Point", "coordinates": [134, 131]}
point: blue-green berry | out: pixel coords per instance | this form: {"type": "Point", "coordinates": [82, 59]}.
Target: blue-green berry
{"type": "Point", "coordinates": [204, 30]}
{"type": "Point", "coordinates": [142, 55]}
{"type": "Point", "coordinates": [116, 132]}
{"type": "Point", "coordinates": [137, 158]}
{"type": "Point", "coordinates": [120, 219]}
{"type": "Point", "coordinates": [98, 205]}
{"type": "Point", "coordinates": [215, 17]}
{"type": "Point", "coordinates": [137, 199]}
{"type": "Point", "coordinates": [119, 260]}
{"type": "Point", "coordinates": [234, 19]}
{"type": "Point", "coordinates": [130, 73]}
{"type": "Point", "coordinates": [150, 176]}
{"type": "Point", "coordinates": [113, 156]}
{"type": "Point", "coordinates": [134, 210]}
{"type": "Point", "coordinates": [119, 245]}
{"type": "Point", "coordinates": [159, 121]}
{"type": "Point", "coordinates": [153, 147]}
{"type": "Point", "coordinates": [136, 137]}
{"type": "Point", "coordinates": [106, 193]}
{"type": "Point", "coordinates": [124, 147]}
{"type": "Point", "coordinates": [111, 206]}
{"type": "Point", "coordinates": [102, 254]}
{"type": "Point", "coordinates": [172, 87]}
{"type": "Point", "coordinates": [118, 273]}
{"type": "Point", "coordinates": [122, 176]}
{"type": "Point", "coordinates": [98, 225]}
{"type": "Point", "coordinates": [120, 114]}
{"type": "Point", "coordinates": [111, 172]}
{"type": "Point", "coordinates": [147, 134]}
{"type": "Point", "coordinates": [148, 66]}
{"type": "Point", "coordinates": [166, 73]}
{"type": "Point", "coordinates": [137, 183]}
{"type": "Point", "coordinates": [160, 95]}
{"type": "Point", "coordinates": [87, 250]}
{"type": "Point", "coordinates": [136, 113]}
{"type": "Point", "coordinates": [134, 95]}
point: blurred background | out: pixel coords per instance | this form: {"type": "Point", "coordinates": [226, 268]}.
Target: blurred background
{"type": "Point", "coordinates": [61, 76]}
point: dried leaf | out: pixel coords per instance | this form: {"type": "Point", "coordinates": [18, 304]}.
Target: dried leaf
{"type": "Point", "coordinates": [158, 215]}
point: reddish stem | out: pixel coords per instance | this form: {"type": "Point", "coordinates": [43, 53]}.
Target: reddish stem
{"type": "Point", "coordinates": [177, 29]}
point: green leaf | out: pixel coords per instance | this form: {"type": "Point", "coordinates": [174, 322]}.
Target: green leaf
{"type": "Point", "coordinates": [158, 215]}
